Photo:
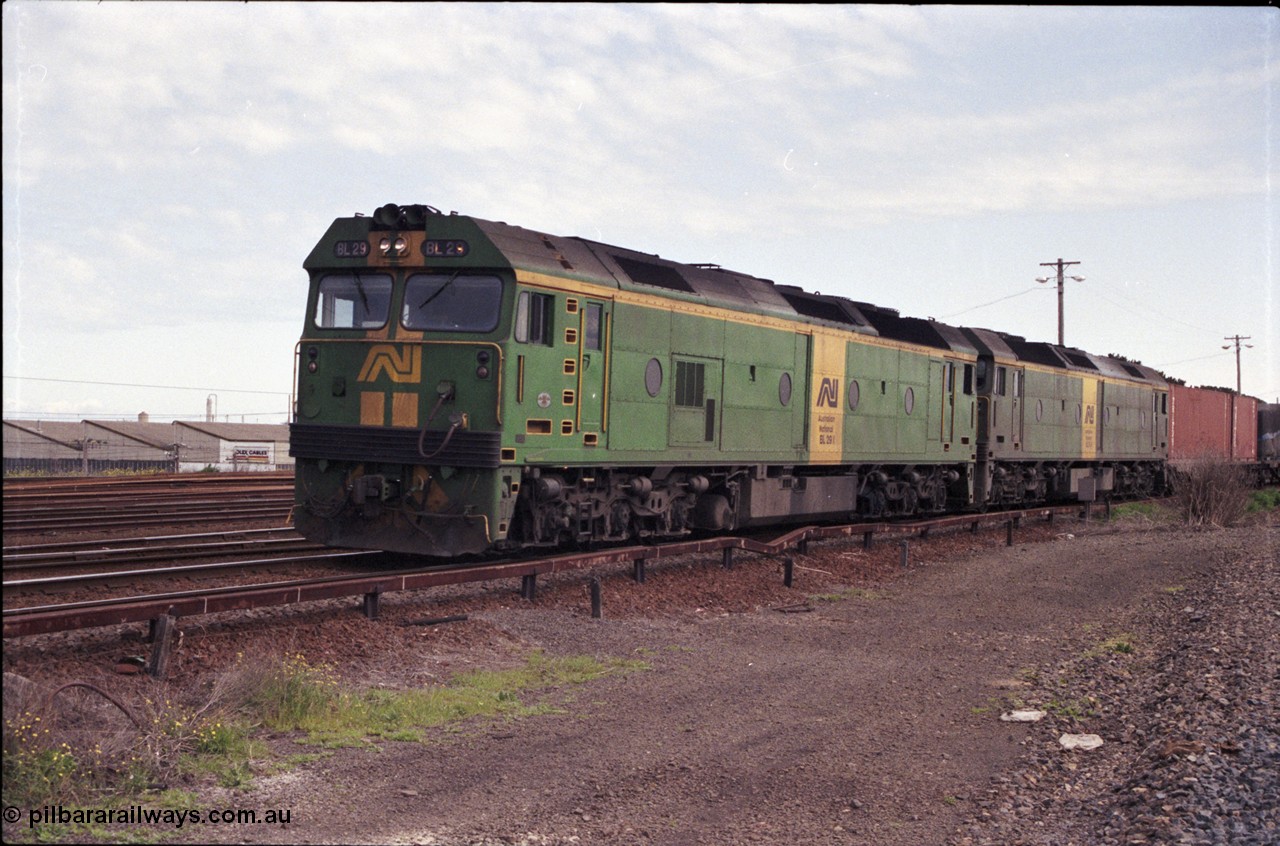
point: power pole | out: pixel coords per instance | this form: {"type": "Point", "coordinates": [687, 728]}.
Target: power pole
{"type": "Point", "coordinates": [1060, 264]}
{"type": "Point", "coordinates": [1236, 339]}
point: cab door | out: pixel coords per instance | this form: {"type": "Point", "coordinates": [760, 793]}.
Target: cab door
{"type": "Point", "coordinates": [943, 375]}
{"type": "Point", "coordinates": [594, 325]}
{"type": "Point", "coordinates": [1017, 378]}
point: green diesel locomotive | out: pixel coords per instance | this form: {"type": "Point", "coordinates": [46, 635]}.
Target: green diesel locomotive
{"type": "Point", "coordinates": [466, 385]}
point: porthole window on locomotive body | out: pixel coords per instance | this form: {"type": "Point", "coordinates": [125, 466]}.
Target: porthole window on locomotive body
{"type": "Point", "coordinates": [1039, 410]}
{"type": "Point", "coordinates": [854, 395]}
{"type": "Point", "coordinates": [1078, 417]}
{"type": "Point", "coordinates": [653, 377]}
{"type": "Point", "coordinates": [784, 389]}
{"type": "Point", "coordinates": [909, 401]}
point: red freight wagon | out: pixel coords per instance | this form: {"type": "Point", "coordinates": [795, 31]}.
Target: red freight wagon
{"type": "Point", "coordinates": [1201, 421]}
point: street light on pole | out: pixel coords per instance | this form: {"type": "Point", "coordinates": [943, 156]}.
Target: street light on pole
{"type": "Point", "coordinates": [1061, 265]}
{"type": "Point", "coordinates": [1236, 339]}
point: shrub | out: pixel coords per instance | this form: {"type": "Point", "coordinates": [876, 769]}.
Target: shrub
{"type": "Point", "coordinates": [1212, 492]}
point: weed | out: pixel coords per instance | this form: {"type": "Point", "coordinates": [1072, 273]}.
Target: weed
{"type": "Point", "coordinates": [1073, 709]}
{"type": "Point", "coordinates": [238, 775]}
{"type": "Point", "coordinates": [1030, 675]}
{"type": "Point", "coordinates": [1121, 644]}
{"type": "Point", "coordinates": [848, 593]}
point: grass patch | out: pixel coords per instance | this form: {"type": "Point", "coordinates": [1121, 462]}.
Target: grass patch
{"type": "Point", "coordinates": [1267, 499]}
{"type": "Point", "coordinates": [1145, 511]}
{"type": "Point", "coordinates": [305, 698]}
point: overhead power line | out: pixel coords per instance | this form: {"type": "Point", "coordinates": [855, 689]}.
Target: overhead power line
{"type": "Point", "coordinates": [156, 387]}
{"type": "Point", "coordinates": [993, 302]}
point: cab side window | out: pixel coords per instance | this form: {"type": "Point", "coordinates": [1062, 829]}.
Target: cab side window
{"type": "Point", "coordinates": [533, 318]}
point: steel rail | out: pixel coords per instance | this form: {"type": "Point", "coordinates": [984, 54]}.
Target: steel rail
{"type": "Point", "coordinates": [47, 583]}
{"type": "Point", "coordinates": [51, 618]}
{"type": "Point", "coordinates": [73, 549]}
{"type": "Point", "coordinates": [296, 549]}
{"type": "Point", "coordinates": [167, 518]}
{"type": "Point", "coordinates": [156, 481]}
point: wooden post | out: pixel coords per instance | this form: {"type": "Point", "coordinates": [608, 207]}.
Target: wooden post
{"type": "Point", "coordinates": [165, 626]}
{"type": "Point", "coordinates": [371, 602]}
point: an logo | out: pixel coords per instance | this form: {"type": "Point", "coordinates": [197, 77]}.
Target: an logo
{"type": "Point", "coordinates": [829, 393]}
{"type": "Point", "coordinates": [404, 365]}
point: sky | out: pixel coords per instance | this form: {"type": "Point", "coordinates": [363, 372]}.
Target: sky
{"type": "Point", "coordinates": [167, 168]}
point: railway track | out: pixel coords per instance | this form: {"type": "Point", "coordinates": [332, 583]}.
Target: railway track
{"type": "Point", "coordinates": [69, 555]}
{"type": "Point", "coordinates": [43, 569]}
{"type": "Point", "coordinates": [90, 505]}
{"type": "Point", "coordinates": [24, 589]}
{"type": "Point", "coordinates": [371, 586]}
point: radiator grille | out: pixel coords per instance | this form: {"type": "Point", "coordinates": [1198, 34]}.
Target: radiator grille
{"type": "Point", "coordinates": [394, 446]}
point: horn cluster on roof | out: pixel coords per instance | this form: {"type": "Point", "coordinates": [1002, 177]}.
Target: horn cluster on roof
{"type": "Point", "coordinates": [392, 216]}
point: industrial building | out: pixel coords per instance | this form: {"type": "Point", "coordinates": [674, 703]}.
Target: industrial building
{"type": "Point", "coordinates": [95, 447]}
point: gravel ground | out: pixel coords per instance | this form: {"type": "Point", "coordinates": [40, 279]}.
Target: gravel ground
{"type": "Point", "coordinates": [867, 713]}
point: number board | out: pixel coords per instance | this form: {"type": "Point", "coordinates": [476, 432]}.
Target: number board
{"type": "Point", "coordinates": [350, 249]}
{"type": "Point", "coordinates": [437, 248]}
